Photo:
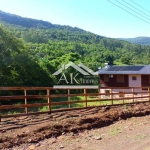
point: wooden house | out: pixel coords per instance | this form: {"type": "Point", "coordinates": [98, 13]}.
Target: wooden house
{"type": "Point", "coordinates": [124, 76]}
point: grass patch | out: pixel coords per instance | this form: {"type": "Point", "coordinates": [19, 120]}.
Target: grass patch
{"type": "Point", "coordinates": [114, 131]}
{"type": "Point", "coordinates": [140, 136]}
{"type": "Point", "coordinates": [12, 111]}
{"type": "Point", "coordinates": [101, 102]}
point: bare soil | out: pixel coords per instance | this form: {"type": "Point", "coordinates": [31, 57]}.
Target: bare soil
{"type": "Point", "coordinates": [99, 128]}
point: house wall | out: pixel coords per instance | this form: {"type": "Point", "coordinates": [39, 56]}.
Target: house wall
{"type": "Point", "coordinates": [142, 80]}
{"type": "Point", "coordinates": [113, 81]}
{"type": "Point", "coordinates": [135, 83]}
{"type": "Point", "coordinates": [137, 92]}
{"type": "Point", "coordinates": [128, 82]}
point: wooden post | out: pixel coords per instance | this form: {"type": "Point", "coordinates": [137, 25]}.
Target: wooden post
{"type": "Point", "coordinates": [68, 98]}
{"type": "Point", "coordinates": [85, 97]}
{"type": "Point", "coordinates": [0, 113]}
{"type": "Point", "coordinates": [111, 92]}
{"type": "Point", "coordinates": [149, 93]}
{"type": "Point", "coordinates": [133, 94]}
{"type": "Point", "coordinates": [141, 94]}
{"type": "Point", "coordinates": [25, 94]}
{"type": "Point", "coordinates": [99, 95]}
{"type": "Point", "coordinates": [49, 100]}
{"type": "Point", "coordinates": [123, 95]}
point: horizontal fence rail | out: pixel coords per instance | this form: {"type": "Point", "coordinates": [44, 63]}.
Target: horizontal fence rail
{"type": "Point", "coordinates": [19, 101]}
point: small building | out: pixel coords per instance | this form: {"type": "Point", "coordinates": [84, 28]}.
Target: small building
{"type": "Point", "coordinates": [124, 76]}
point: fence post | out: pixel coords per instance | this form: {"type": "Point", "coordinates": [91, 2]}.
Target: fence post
{"type": "Point", "coordinates": [49, 100]}
{"type": "Point", "coordinates": [25, 94]}
{"type": "Point", "coordinates": [0, 113]}
{"type": "Point", "coordinates": [123, 95]}
{"type": "Point", "coordinates": [68, 98]}
{"type": "Point", "coordinates": [149, 93]}
{"type": "Point", "coordinates": [133, 94]}
{"type": "Point", "coordinates": [85, 97]}
{"type": "Point", "coordinates": [111, 92]}
{"type": "Point", "coordinates": [141, 94]}
{"type": "Point", "coordinates": [99, 95]}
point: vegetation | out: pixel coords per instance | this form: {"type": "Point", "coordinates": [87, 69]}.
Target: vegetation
{"type": "Point", "coordinates": [32, 50]}
{"type": "Point", "coordinates": [50, 45]}
{"type": "Point", "coordinates": [138, 40]}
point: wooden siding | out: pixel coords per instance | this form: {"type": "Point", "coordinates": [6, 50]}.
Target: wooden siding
{"type": "Point", "coordinates": [113, 81]}
{"type": "Point", "coordinates": [145, 79]}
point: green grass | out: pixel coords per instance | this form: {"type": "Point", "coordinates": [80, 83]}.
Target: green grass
{"type": "Point", "coordinates": [140, 136]}
{"type": "Point", "coordinates": [114, 131]}
{"type": "Point", "coordinates": [63, 99]}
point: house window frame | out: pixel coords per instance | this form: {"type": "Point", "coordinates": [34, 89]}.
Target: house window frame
{"type": "Point", "coordinates": [134, 78]}
{"type": "Point", "coordinates": [107, 91]}
{"type": "Point", "coordinates": [120, 78]}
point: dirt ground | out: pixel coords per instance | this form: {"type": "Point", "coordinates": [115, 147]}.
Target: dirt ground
{"type": "Point", "coordinates": [101, 128]}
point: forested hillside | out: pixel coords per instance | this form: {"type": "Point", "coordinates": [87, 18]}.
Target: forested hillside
{"type": "Point", "coordinates": [31, 50]}
{"type": "Point", "coordinates": [138, 40]}
{"type": "Point", "coordinates": [16, 66]}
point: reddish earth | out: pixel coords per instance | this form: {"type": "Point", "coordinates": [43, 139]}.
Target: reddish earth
{"type": "Point", "coordinates": [99, 128]}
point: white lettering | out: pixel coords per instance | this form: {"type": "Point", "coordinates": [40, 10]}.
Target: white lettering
{"type": "Point", "coordinates": [61, 78]}
{"type": "Point", "coordinates": [73, 78]}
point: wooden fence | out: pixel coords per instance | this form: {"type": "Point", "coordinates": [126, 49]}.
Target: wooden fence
{"type": "Point", "coordinates": [53, 99]}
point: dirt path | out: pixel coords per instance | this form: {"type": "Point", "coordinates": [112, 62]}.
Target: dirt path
{"type": "Point", "coordinates": [94, 129]}
{"type": "Point", "coordinates": [131, 134]}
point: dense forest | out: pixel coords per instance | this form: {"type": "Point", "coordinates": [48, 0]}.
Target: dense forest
{"type": "Point", "coordinates": [32, 50]}
{"type": "Point", "coordinates": [138, 40]}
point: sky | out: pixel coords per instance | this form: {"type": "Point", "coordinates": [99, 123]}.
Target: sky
{"type": "Point", "coordinates": [97, 16]}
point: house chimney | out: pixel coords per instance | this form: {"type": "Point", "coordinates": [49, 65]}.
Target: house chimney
{"type": "Point", "coordinates": [99, 68]}
{"type": "Point", "coordinates": [106, 65]}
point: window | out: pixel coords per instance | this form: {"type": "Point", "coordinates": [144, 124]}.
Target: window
{"type": "Point", "coordinates": [121, 94]}
{"type": "Point", "coordinates": [106, 78]}
{"type": "Point", "coordinates": [120, 78]}
{"type": "Point", "coordinates": [111, 76]}
{"type": "Point", "coordinates": [107, 91]}
{"type": "Point", "coordinates": [146, 89]}
{"type": "Point", "coordinates": [134, 78]}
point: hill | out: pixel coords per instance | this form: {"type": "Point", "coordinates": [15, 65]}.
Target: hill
{"type": "Point", "coordinates": [138, 40]}
{"type": "Point", "coordinates": [48, 46]}
{"type": "Point", "coordinates": [17, 20]}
